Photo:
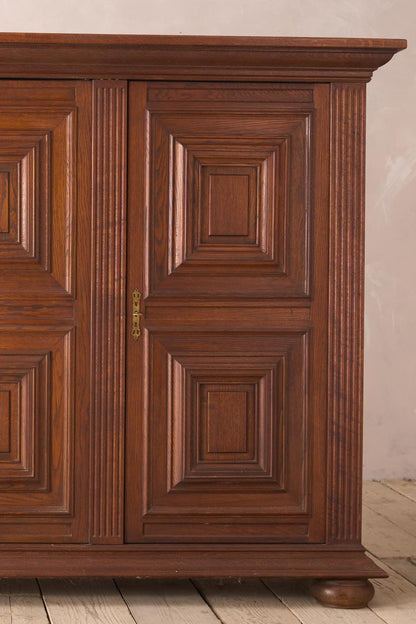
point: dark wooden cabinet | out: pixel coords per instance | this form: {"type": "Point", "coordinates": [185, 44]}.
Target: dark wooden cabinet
{"type": "Point", "coordinates": [181, 249]}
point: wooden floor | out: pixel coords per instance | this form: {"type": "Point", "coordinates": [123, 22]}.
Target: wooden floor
{"type": "Point", "coordinates": [389, 535]}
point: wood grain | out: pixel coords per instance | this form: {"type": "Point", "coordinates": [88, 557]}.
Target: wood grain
{"type": "Point", "coordinates": [161, 560]}
{"type": "Point", "coordinates": [405, 566]}
{"type": "Point", "coordinates": [21, 602]}
{"type": "Point", "coordinates": [395, 599]}
{"type": "Point", "coordinates": [383, 538]}
{"type": "Point", "coordinates": [90, 601]}
{"type": "Point", "coordinates": [4, 202]}
{"type": "Point", "coordinates": [160, 602]}
{"type": "Point", "coordinates": [193, 57]}
{"type": "Point", "coordinates": [244, 602]}
{"type": "Point", "coordinates": [395, 507]}
{"type": "Point", "coordinates": [406, 487]}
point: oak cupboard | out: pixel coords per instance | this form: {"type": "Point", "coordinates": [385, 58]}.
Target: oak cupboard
{"type": "Point", "coordinates": [181, 291]}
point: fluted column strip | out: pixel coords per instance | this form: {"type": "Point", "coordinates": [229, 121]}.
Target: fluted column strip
{"type": "Point", "coordinates": [109, 202]}
{"type": "Point", "coordinates": [346, 278]}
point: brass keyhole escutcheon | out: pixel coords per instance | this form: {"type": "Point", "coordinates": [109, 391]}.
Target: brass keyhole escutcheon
{"type": "Point", "coordinates": [136, 313]}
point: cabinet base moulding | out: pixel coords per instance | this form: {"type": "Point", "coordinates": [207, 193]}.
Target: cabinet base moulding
{"type": "Point", "coordinates": [182, 562]}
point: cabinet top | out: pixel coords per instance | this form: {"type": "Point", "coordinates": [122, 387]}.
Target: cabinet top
{"type": "Point", "coordinates": [41, 55]}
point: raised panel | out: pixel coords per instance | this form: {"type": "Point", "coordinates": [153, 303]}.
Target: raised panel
{"type": "Point", "coordinates": [38, 169]}
{"type": "Point", "coordinates": [34, 474]}
{"type": "Point", "coordinates": [37, 474]}
{"type": "Point", "coordinates": [228, 205]}
{"type": "Point", "coordinates": [226, 440]}
{"type": "Point", "coordinates": [17, 236]}
{"type": "Point", "coordinates": [222, 225]}
{"type": "Point", "coordinates": [229, 198]}
{"type": "Point", "coordinates": [225, 190]}
{"type": "Point", "coordinates": [229, 422]}
{"type": "Point", "coordinates": [5, 420]}
{"type": "Point", "coordinates": [226, 413]}
{"type": "Point", "coordinates": [27, 379]}
{"type": "Point", "coordinates": [5, 191]}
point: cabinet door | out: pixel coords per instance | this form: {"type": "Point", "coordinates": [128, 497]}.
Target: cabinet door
{"type": "Point", "coordinates": [226, 385]}
{"type": "Point", "coordinates": [44, 320]}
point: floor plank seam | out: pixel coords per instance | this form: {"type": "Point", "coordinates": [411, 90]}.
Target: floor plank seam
{"type": "Point", "coordinates": [195, 585]}
{"type": "Point", "coordinates": [390, 487]}
{"type": "Point", "coordinates": [124, 600]}
{"type": "Point", "coordinates": [10, 605]}
{"type": "Point", "coordinates": [284, 602]}
{"type": "Point", "coordinates": [389, 520]}
{"type": "Point", "coordinates": [43, 601]}
{"type": "Point", "coordinates": [378, 615]}
{"type": "Point", "coordinates": [380, 559]}
{"type": "Point", "coordinates": [373, 553]}
{"type": "Point", "coordinates": [408, 558]}
{"type": "Point", "coordinates": [281, 600]}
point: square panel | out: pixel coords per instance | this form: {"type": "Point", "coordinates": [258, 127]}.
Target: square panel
{"type": "Point", "coordinates": [5, 419]}
{"type": "Point", "coordinates": [228, 428]}
{"type": "Point", "coordinates": [226, 424]}
{"type": "Point", "coordinates": [227, 206]}
{"type": "Point", "coordinates": [25, 415]}
{"type": "Point", "coordinates": [21, 204]}
{"type": "Point", "coordinates": [226, 415]}
{"type": "Point", "coordinates": [8, 213]}
{"type": "Point", "coordinates": [230, 214]}
{"type": "Point", "coordinates": [229, 198]}
{"type": "Point", "coordinates": [36, 234]}
{"type": "Point", "coordinates": [35, 417]}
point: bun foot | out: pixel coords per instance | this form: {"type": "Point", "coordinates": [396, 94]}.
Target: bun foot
{"type": "Point", "coordinates": [343, 594]}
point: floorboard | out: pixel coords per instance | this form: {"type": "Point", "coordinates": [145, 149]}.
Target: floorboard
{"type": "Point", "coordinates": [397, 508]}
{"type": "Point", "coordinates": [84, 601]}
{"type": "Point", "coordinates": [395, 598]}
{"type": "Point", "coordinates": [383, 538]}
{"type": "Point", "coordinates": [165, 602]}
{"type": "Point", "coordinates": [21, 602]}
{"type": "Point", "coordinates": [245, 602]}
{"type": "Point", "coordinates": [403, 486]}
{"type": "Point", "coordinates": [403, 566]}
